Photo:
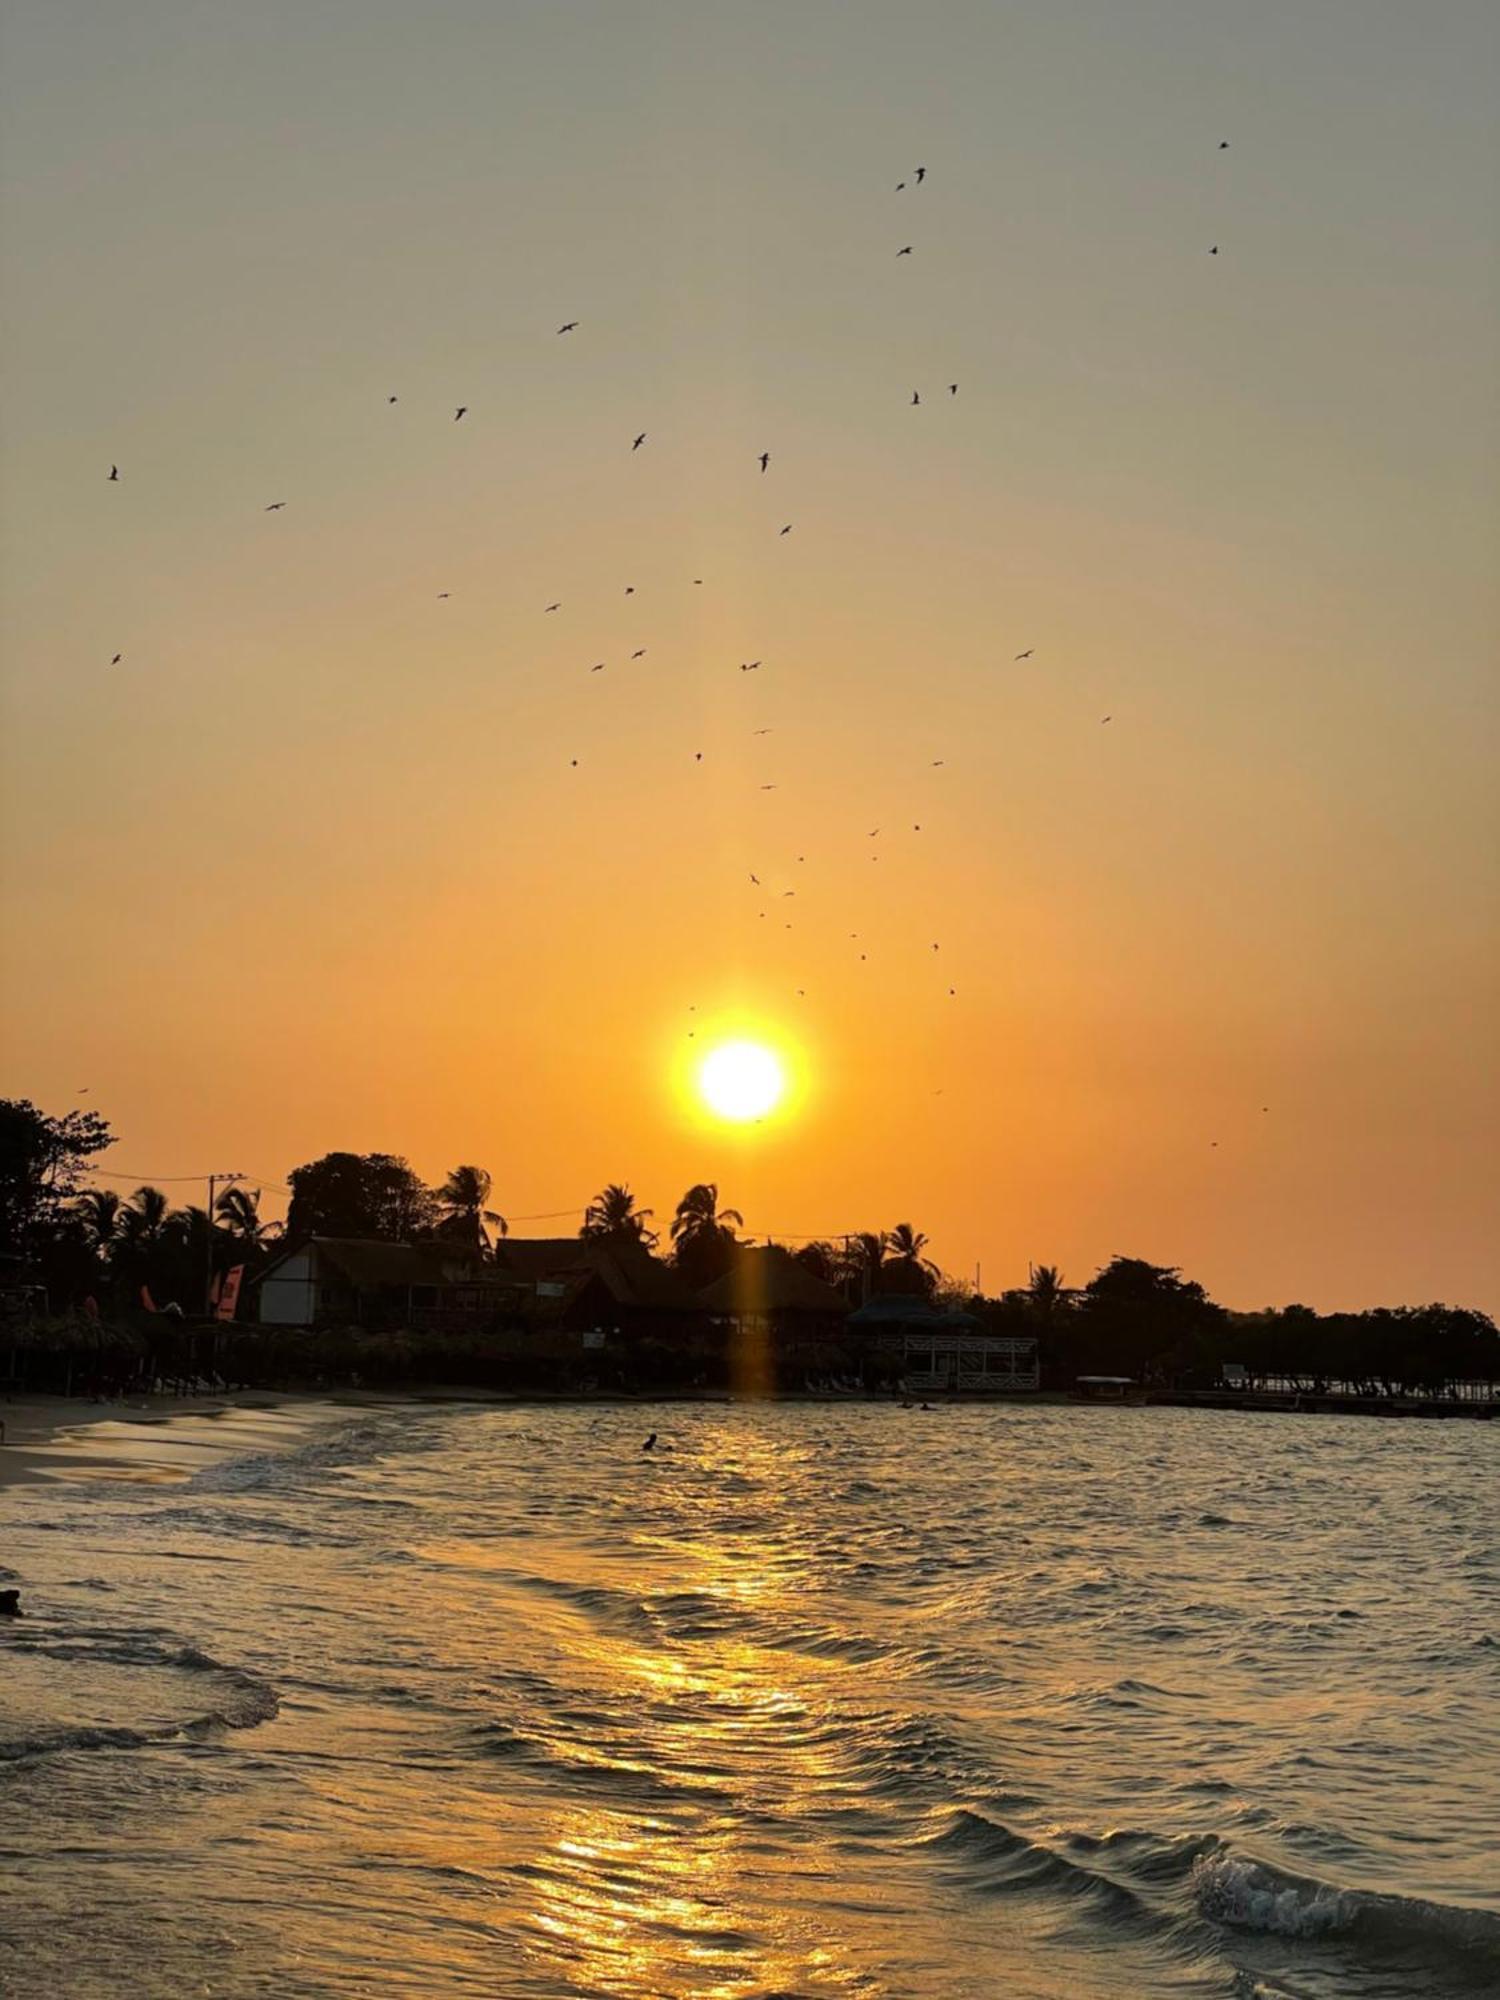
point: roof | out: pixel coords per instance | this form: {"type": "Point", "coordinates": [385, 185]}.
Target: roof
{"type": "Point", "coordinates": [367, 1262]}
{"type": "Point", "coordinates": [628, 1271]}
{"type": "Point", "coordinates": [896, 1309]}
{"type": "Point", "coordinates": [770, 1279]}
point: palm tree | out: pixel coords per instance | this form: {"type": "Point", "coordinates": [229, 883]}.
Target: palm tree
{"type": "Point", "coordinates": [97, 1211]}
{"type": "Point", "coordinates": [612, 1216]}
{"type": "Point", "coordinates": [461, 1208]}
{"type": "Point", "coordinates": [911, 1271]}
{"type": "Point", "coordinates": [861, 1262]}
{"type": "Point", "coordinates": [238, 1210]}
{"type": "Point", "coordinates": [1046, 1293]}
{"type": "Point", "coordinates": [703, 1234]}
{"type": "Point", "coordinates": [144, 1218]}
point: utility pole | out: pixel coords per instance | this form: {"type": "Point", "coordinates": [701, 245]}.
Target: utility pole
{"type": "Point", "coordinates": [214, 1182]}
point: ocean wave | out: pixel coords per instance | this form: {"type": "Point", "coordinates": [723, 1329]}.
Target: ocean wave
{"type": "Point", "coordinates": [1251, 1895]}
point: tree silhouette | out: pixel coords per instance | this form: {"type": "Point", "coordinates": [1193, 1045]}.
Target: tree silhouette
{"type": "Point", "coordinates": [612, 1216]}
{"type": "Point", "coordinates": [462, 1210]}
{"type": "Point", "coordinates": [861, 1262]}
{"type": "Point", "coordinates": [703, 1235]}
{"type": "Point", "coordinates": [238, 1210]}
{"type": "Point", "coordinates": [908, 1270]}
{"type": "Point", "coordinates": [1048, 1297]}
{"type": "Point", "coordinates": [359, 1194]}
{"type": "Point", "coordinates": [42, 1160]}
{"type": "Point", "coordinates": [97, 1213]}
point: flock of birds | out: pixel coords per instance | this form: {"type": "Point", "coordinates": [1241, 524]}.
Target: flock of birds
{"type": "Point", "coordinates": [763, 459]}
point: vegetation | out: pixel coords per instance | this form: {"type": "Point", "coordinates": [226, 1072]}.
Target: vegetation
{"type": "Point", "coordinates": [99, 1288]}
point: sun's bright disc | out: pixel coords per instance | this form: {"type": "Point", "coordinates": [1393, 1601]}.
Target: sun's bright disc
{"type": "Point", "coordinates": [741, 1080]}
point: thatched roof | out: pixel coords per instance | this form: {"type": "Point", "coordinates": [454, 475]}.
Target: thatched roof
{"type": "Point", "coordinates": [769, 1279]}
{"type": "Point", "coordinates": [367, 1263]}
{"type": "Point", "coordinates": [628, 1271]}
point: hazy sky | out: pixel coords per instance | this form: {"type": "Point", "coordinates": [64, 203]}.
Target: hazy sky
{"type": "Point", "coordinates": [312, 866]}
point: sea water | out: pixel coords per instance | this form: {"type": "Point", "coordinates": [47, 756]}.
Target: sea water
{"type": "Point", "coordinates": [1018, 1703]}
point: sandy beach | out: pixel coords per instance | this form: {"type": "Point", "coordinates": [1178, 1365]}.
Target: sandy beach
{"type": "Point", "coordinates": [155, 1440]}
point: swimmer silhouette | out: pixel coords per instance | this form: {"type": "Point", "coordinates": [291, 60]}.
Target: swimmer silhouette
{"type": "Point", "coordinates": [10, 1604]}
{"type": "Point", "coordinates": [650, 1444]}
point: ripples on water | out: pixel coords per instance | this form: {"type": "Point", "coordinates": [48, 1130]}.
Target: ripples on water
{"type": "Point", "coordinates": [1015, 1703]}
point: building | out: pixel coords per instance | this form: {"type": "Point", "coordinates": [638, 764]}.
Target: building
{"type": "Point", "coordinates": [945, 1352]}
{"type": "Point", "coordinates": [359, 1281]}
{"type": "Point", "coordinates": [592, 1285]}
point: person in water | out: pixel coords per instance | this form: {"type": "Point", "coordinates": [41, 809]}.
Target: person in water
{"type": "Point", "coordinates": [650, 1444]}
{"type": "Point", "coordinates": [10, 1604]}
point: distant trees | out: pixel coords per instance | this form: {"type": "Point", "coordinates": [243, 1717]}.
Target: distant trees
{"type": "Point", "coordinates": [907, 1268]}
{"type": "Point", "coordinates": [613, 1216]}
{"type": "Point", "coordinates": [703, 1235]}
{"type": "Point", "coordinates": [237, 1210]}
{"type": "Point", "coordinates": [360, 1194]}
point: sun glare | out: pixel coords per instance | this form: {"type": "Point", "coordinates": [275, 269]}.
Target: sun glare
{"type": "Point", "coordinates": [741, 1081]}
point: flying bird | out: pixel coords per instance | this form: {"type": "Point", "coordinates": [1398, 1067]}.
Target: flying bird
{"type": "Point", "coordinates": [899, 186]}
{"type": "Point", "coordinates": [749, 666]}
{"type": "Point", "coordinates": [904, 253]}
{"type": "Point", "coordinates": [1215, 251]}
{"type": "Point", "coordinates": [921, 175]}
{"type": "Point", "coordinates": [915, 398]}
{"type": "Point", "coordinates": [756, 880]}
{"type": "Point", "coordinates": [597, 670]}
{"type": "Point", "coordinates": [787, 529]}
{"type": "Point", "coordinates": [639, 442]}
{"type": "Point", "coordinates": [1223, 145]}
{"type": "Point", "coordinates": [630, 590]}
{"type": "Point", "coordinates": [765, 460]}
{"type": "Point", "coordinates": [952, 388]}
{"type": "Point", "coordinates": [760, 732]}
{"type": "Point", "coordinates": [114, 472]}
{"type": "Point", "coordinates": [461, 411]}
{"type": "Point", "coordinates": [115, 661]}
{"type": "Point", "coordinates": [390, 399]}
{"type": "Point", "coordinates": [553, 607]}
{"type": "Point", "coordinates": [1105, 718]}
{"type": "Point", "coordinates": [938, 762]}
{"type": "Point", "coordinates": [697, 756]}
{"type": "Point", "coordinates": [872, 833]}
{"type": "Point", "coordinates": [639, 655]}
{"type": "Point", "coordinates": [768, 788]}
{"type": "Point", "coordinates": [569, 326]}
{"type": "Point", "coordinates": [445, 593]}
{"type": "Point", "coordinates": [276, 506]}
{"type": "Point", "coordinates": [1027, 654]}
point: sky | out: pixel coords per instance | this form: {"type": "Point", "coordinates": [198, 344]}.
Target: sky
{"type": "Point", "coordinates": [313, 865]}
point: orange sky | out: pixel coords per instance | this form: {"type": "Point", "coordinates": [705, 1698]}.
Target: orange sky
{"type": "Point", "coordinates": [313, 867]}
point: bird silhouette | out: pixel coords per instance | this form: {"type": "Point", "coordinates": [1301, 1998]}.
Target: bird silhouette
{"type": "Point", "coordinates": [116, 659]}
{"type": "Point", "coordinates": [787, 529]}
{"type": "Point", "coordinates": [461, 411]}
{"type": "Point", "coordinates": [390, 399]}
{"type": "Point", "coordinates": [553, 607]}
{"type": "Point", "coordinates": [749, 666]}
{"type": "Point", "coordinates": [915, 398]}
{"type": "Point", "coordinates": [114, 472]}
{"type": "Point", "coordinates": [756, 880]}
{"type": "Point", "coordinates": [597, 670]}
{"type": "Point", "coordinates": [630, 590]}
{"type": "Point", "coordinates": [639, 442]}
{"type": "Point", "coordinates": [639, 655]}
{"type": "Point", "coordinates": [697, 756]}
{"type": "Point", "coordinates": [760, 732]}
{"type": "Point", "coordinates": [1106, 718]}
{"type": "Point", "coordinates": [445, 593]}
{"type": "Point", "coordinates": [938, 762]}
{"type": "Point", "coordinates": [1027, 654]}
{"type": "Point", "coordinates": [765, 460]}
{"type": "Point", "coordinates": [872, 833]}
{"type": "Point", "coordinates": [952, 388]}
{"type": "Point", "coordinates": [921, 175]}
{"type": "Point", "coordinates": [899, 186]}
{"type": "Point", "coordinates": [768, 788]}
{"type": "Point", "coordinates": [904, 253]}
{"type": "Point", "coordinates": [568, 326]}
{"type": "Point", "coordinates": [1215, 251]}
{"type": "Point", "coordinates": [276, 506]}
{"type": "Point", "coordinates": [1223, 145]}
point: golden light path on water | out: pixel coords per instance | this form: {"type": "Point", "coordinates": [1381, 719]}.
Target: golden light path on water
{"type": "Point", "coordinates": [824, 1699]}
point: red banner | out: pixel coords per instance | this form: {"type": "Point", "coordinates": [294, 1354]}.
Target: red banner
{"type": "Point", "coordinates": [229, 1291]}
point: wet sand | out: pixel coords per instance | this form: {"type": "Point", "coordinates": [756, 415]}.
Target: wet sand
{"type": "Point", "coordinates": [156, 1440]}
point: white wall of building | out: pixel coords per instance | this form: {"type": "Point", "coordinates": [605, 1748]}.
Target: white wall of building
{"type": "Point", "coordinates": [289, 1294]}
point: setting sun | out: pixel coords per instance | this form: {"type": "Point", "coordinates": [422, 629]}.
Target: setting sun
{"type": "Point", "coordinates": [741, 1080]}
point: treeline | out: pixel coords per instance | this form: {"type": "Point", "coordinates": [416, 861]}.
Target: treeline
{"type": "Point", "coordinates": [68, 1247]}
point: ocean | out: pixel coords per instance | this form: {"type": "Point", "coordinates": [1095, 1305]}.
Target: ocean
{"type": "Point", "coordinates": [983, 1703]}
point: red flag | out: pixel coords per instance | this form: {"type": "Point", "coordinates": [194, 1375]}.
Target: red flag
{"type": "Point", "coordinates": [229, 1293]}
